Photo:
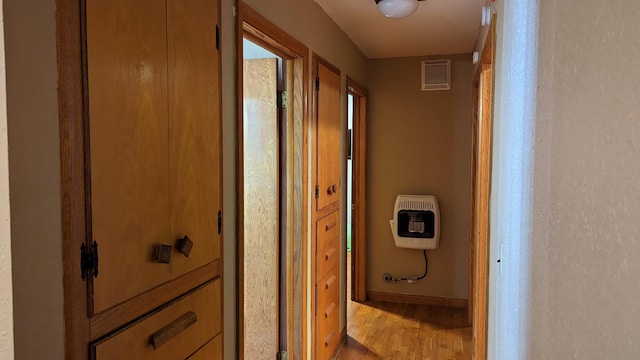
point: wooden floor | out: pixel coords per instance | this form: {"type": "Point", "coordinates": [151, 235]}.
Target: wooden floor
{"type": "Point", "coordinates": [382, 330]}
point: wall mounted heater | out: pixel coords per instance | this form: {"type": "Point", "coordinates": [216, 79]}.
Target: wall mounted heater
{"type": "Point", "coordinates": [416, 222]}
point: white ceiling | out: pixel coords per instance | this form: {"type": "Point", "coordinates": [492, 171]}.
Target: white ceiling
{"type": "Point", "coordinates": [438, 27]}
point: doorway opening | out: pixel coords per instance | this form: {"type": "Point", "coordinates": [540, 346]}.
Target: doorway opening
{"type": "Point", "coordinates": [356, 190]}
{"type": "Point", "coordinates": [272, 190]}
{"type": "Point", "coordinates": [262, 235]}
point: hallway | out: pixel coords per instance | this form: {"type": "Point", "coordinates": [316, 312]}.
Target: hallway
{"type": "Point", "coordinates": [385, 330]}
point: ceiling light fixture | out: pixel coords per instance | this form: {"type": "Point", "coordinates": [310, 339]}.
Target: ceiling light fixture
{"type": "Point", "coordinates": [396, 9]}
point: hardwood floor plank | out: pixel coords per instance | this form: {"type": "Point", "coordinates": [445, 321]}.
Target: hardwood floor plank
{"type": "Point", "coordinates": [384, 330]}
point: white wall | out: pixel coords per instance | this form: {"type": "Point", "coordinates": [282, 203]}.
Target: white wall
{"type": "Point", "coordinates": [6, 292]}
{"type": "Point", "coordinates": [565, 192]}
{"type": "Point", "coordinates": [511, 193]}
{"type": "Point", "coordinates": [585, 240]}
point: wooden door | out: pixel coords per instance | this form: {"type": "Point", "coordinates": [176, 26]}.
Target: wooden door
{"type": "Point", "coordinates": [194, 131]}
{"type": "Point", "coordinates": [154, 120]}
{"type": "Point", "coordinates": [261, 210]}
{"type": "Point", "coordinates": [328, 136]}
{"type": "Point", "coordinates": [128, 144]}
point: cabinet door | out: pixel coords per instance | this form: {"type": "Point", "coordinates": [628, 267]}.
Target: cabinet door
{"type": "Point", "coordinates": [194, 130]}
{"type": "Point", "coordinates": [128, 144]}
{"type": "Point", "coordinates": [328, 137]}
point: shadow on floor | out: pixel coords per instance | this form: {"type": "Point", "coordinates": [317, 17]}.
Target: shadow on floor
{"type": "Point", "coordinates": [355, 351]}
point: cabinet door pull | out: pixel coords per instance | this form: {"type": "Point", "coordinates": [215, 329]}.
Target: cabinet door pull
{"type": "Point", "coordinates": [172, 329]}
{"type": "Point", "coordinates": [329, 310]}
{"type": "Point", "coordinates": [327, 340]}
{"type": "Point", "coordinates": [329, 253]}
{"type": "Point", "coordinates": [330, 225]}
{"type": "Point", "coordinates": [327, 285]}
{"type": "Point", "coordinates": [184, 245]}
{"type": "Point", "coordinates": [162, 254]}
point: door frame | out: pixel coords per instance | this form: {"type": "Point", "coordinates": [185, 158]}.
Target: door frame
{"type": "Point", "coordinates": [481, 142]}
{"type": "Point", "coordinates": [294, 143]}
{"type": "Point", "coordinates": [358, 190]}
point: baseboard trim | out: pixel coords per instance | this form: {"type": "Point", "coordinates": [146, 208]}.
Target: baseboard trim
{"type": "Point", "coordinates": [417, 299]}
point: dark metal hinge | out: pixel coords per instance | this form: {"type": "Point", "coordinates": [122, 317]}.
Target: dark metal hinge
{"type": "Point", "coordinates": [89, 260]}
{"type": "Point", "coordinates": [282, 355]}
{"type": "Point", "coordinates": [317, 191]}
{"type": "Point", "coordinates": [317, 83]}
{"type": "Point", "coordinates": [219, 221]}
{"type": "Point", "coordinates": [217, 37]}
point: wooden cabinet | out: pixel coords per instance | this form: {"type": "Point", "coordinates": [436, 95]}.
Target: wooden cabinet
{"type": "Point", "coordinates": [152, 179]}
{"type": "Point", "coordinates": [175, 331]}
{"type": "Point", "coordinates": [327, 136]}
{"type": "Point", "coordinates": [152, 75]}
{"type": "Point", "coordinates": [327, 165]}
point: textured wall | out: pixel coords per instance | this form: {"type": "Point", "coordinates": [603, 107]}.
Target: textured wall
{"type": "Point", "coordinates": [511, 189]}
{"type": "Point", "coordinates": [6, 301]}
{"type": "Point", "coordinates": [34, 173]}
{"type": "Point", "coordinates": [419, 142]}
{"type": "Point", "coordinates": [566, 195]}
{"type": "Point", "coordinates": [585, 241]}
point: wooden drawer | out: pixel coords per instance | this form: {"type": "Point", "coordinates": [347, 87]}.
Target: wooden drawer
{"type": "Point", "coordinates": [328, 331]}
{"type": "Point", "coordinates": [328, 258]}
{"type": "Point", "coordinates": [329, 290]}
{"type": "Point", "coordinates": [211, 351]}
{"type": "Point", "coordinates": [327, 229]}
{"type": "Point", "coordinates": [171, 328]}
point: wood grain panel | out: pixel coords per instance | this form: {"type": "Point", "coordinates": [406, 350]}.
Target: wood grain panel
{"type": "Point", "coordinates": [328, 136]}
{"type": "Point", "coordinates": [126, 55]}
{"type": "Point", "coordinates": [261, 220]}
{"type": "Point", "coordinates": [210, 351]}
{"type": "Point", "coordinates": [390, 330]}
{"type": "Point", "coordinates": [72, 168]}
{"type": "Point", "coordinates": [328, 257]}
{"type": "Point", "coordinates": [194, 130]}
{"type": "Point", "coordinates": [106, 321]}
{"type": "Point", "coordinates": [328, 229]}
{"type": "Point", "coordinates": [133, 341]}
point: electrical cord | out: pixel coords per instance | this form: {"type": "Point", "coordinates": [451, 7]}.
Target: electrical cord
{"type": "Point", "coordinates": [426, 265]}
{"type": "Point", "coordinates": [414, 279]}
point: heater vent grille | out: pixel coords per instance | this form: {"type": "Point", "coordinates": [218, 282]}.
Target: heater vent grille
{"type": "Point", "coordinates": [416, 205]}
{"type": "Point", "coordinates": [436, 74]}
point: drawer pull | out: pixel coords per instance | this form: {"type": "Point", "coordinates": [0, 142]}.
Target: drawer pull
{"type": "Point", "coordinates": [184, 245]}
{"type": "Point", "coordinates": [329, 282]}
{"type": "Point", "coordinates": [329, 253]}
{"type": "Point", "coordinates": [329, 310]}
{"type": "Point", "coordinates": [162, 254]}
{"type": "Point", "coordinates": [331, 189]}
{"type": "Point", "coordinates": [330, 225]}
{"type": "Point", "coordinates": [172, 329]}
{"type": "Point", "coordinates": [327, 341]}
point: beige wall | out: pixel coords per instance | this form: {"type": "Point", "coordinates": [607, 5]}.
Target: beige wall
{"type": "Point", "coordinates": [419, 143]}
{"type": "Point", "coordinates": [34, 174]}
{"type": "Point", "coordinates": [586, 195]}
{"type": "Point", "coordinates": [6, 292]}
{"type": "Point", "coordinates": [305, 21]}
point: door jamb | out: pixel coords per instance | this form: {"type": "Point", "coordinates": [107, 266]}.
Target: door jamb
{"type": "Point", "coordinates": [358, 200]}
{"type": "Point", "coordinates": [480, 195]}
{"type": "Point", "coordinates": [261, 31]}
